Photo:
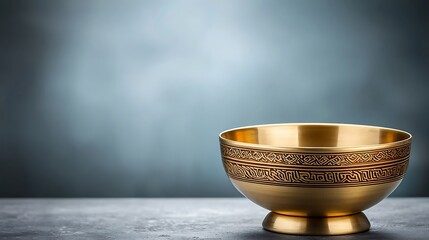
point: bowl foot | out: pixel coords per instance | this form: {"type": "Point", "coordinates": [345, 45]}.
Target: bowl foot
{"type": "Point", "coordinates": [316, 225]}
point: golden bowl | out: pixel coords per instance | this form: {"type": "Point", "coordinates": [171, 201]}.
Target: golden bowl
{"type": "Point", "coordinates": [316, 179]}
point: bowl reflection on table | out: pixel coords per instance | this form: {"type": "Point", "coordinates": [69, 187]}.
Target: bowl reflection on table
{"type": "Point", "coordinates": [316, 179]}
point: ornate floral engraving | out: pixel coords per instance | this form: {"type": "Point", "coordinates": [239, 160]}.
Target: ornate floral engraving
{"type": "Point", "coordinates": [317, 159]}
{"type": "Point", "coordinates": [316, 177]}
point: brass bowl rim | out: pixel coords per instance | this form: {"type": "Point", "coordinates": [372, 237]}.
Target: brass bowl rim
{"type": "Point", "coordinates": [315, 149]}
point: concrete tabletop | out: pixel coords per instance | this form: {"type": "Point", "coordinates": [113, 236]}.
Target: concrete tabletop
{"type": "Point", "coordinates": [184, 218]}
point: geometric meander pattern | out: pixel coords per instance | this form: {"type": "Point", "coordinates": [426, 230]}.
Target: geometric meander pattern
{"type": "Point", "coordinates": [308, 177]}
{"type": "Point", "coordinates": [316, 159]}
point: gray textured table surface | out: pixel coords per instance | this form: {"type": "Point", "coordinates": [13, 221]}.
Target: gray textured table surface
{"type": "Point", "coordinates": [184, 218]}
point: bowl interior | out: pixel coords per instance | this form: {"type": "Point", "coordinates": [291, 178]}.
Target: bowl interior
{"type": "Point", "coordinates": [315, 135]}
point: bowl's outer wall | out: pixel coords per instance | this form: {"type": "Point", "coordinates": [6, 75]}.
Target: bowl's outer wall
{"type": "Point", "coordinates": [302, 201]}
{"type": "Point", "coordinates": [308, 182]}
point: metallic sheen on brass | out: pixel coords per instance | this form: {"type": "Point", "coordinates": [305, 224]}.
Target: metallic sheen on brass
{"type": "Point", "coordinates": [316, 179]}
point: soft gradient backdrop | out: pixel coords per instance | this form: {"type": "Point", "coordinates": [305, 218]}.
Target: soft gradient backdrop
{"type": "Point", "coordinates": [126, 98]}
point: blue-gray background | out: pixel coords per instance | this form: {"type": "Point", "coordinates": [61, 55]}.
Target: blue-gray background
{"type": "Point", "coordinates": [126, 98]}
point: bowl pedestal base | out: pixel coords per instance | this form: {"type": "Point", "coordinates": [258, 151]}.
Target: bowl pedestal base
{"type": "Point", "coordinates": [316, 225]}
